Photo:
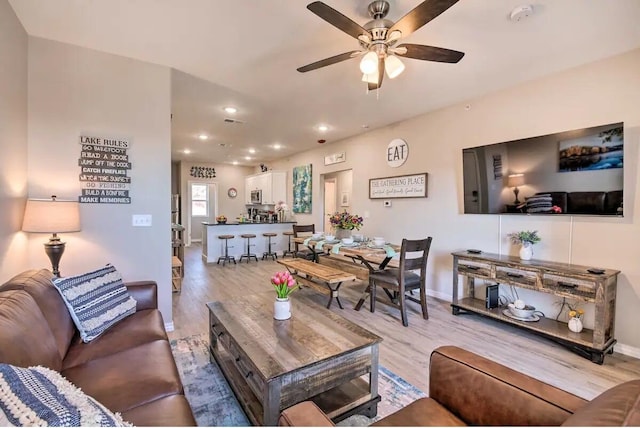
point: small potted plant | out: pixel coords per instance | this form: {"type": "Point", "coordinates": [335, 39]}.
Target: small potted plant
{"type": "Point", "coordinates": [221, 219]}
{"type": "Point", "coordinates": [526, 239]}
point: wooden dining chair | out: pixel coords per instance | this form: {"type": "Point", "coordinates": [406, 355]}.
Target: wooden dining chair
{"type": "Point", "coordinates": [413, 257]}
{"type": "Point", "coordinates": [299, 231]}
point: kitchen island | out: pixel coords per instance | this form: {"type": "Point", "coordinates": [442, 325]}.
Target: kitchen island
{"type": "Point", "coordinates": [213, 248]}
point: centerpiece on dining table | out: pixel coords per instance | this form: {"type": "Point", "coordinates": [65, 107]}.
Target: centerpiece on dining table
{"type": "Point", "coordinates": [344, 223]}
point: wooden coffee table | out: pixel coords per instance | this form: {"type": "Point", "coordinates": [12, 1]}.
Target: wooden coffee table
{"type": "Point", "coordinates": [316, 355]}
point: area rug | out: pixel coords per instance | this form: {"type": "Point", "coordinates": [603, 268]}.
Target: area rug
{"type": "Point", "coordinates": [214, 403]}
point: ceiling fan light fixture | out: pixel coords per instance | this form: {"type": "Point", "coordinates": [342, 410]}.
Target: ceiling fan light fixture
{"type": "Point", "coordinates": [393, 66]}
{"type": "Point", "coordinates": [370, 78]}
{"type": "Point", "coordinates": [369, 63]}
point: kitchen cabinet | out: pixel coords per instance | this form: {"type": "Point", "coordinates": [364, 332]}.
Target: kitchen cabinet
{"type": "Point", "coordinates": [273, 185]}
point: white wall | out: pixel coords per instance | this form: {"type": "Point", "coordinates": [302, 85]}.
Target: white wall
{"type": "Point", "coordinates": [603, 92]}
{"type": "Point", "coordinates": [13, 142]}
{"type": "Point", "coordinates": [73, 90]}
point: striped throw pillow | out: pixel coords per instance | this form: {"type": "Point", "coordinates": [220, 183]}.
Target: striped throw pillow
{"type": "Point", "coordinates": [38, 396]}
{"type": "Point", "coordinates": [541, 203]}
{"type": "Point", "coordinates": [96, 300]}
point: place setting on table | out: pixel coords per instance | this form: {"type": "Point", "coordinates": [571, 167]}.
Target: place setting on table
{"type": "Point", "coordinates": [369, 251]}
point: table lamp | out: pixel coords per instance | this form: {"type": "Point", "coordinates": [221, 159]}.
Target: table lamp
{"type": "Point", "coordinates": [52, 216]}
{"type": "Point", "coordinates": [514, 181]}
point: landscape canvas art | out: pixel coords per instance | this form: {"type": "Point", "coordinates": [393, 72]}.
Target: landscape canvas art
{"type": "Point", "coordinates": [602, 150]}
{"type": "Point", "coordinates": [302, 189]}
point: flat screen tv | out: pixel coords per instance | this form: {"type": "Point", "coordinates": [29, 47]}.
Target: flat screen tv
{"type": "Point", "coordinates": [579, 172]}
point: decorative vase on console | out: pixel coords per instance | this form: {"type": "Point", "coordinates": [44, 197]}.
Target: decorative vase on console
{"type": "Point", "coordinates": [526, 239]}
{"type": "Point", "coordinates": [284, 285]}
{"type": "Point", "coordinates": [575, 323]}
{"type": "Point", "coordinates": [526, 251]}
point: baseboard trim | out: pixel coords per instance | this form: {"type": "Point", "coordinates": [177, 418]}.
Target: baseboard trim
{"type": "Point", "coordinates": [439, 295]}
{"type": "Point", "coordinates": [168, 326]}
{"type": "Point", "coordinates": [628, 350]}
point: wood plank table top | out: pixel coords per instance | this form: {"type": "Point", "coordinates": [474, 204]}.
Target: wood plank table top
{"type": "Point", "coordinates": [325, 273]}
{"type": "Point", "coordinates": [313, 334]}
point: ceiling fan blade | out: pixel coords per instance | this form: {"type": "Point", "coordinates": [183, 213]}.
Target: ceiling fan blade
{"type": "Point", "coordinates": [430, 53]}
{"type": "Point", "coordinates": [328, 61]}
{"type": "Point", "coordinates": [337, 19]}
{"type": "Point", "coordinates": [420, 15]}
{"type": "Point", "coordinates": [374, 86]}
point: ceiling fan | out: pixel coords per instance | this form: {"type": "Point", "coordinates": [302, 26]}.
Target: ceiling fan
{"type": "Point", "coordinates": [379, 36]}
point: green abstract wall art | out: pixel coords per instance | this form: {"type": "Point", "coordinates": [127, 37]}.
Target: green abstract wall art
{"type": "Point", "coordinates": [302, 189]}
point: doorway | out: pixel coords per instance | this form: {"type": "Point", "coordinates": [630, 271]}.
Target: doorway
{"type": "Point", "coordinates": [202, 205]}
{"type": "Point", "coordinates": [330, 196]}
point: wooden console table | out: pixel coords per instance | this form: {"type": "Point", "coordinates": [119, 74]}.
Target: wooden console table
{"type": "Point", "coordinates": [559, 279]}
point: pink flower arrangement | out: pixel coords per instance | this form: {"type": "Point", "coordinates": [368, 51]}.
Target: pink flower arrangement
{"type": "Point", "coordinates": [284, 284]}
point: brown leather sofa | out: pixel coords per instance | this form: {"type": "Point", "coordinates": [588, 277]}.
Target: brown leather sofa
{"type": "Point", "coordinates": [467, 389]}
{"type": "Point", "coordinates": [601, 203]}
{"type": "Point", "coordinates": [129, 368]}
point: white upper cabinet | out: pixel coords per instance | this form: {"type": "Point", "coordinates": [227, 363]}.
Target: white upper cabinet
{"type": "Point", "coordinates": [273, 185]}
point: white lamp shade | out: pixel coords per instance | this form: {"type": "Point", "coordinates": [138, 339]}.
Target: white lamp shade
{"type": "Point", "coordinates": [370, 78]}
{"type": "Point", "coordinates": [369, 63]}
{"type": "Point", "coordinates": [51, 216]}
{"type": "Point", "coordinates": [515, 180]}
{"type": "Point", "coordinates": [393, 66]}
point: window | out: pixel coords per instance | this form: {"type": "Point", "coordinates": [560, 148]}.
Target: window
{"type": "Point", "coordinates": [199, 200]}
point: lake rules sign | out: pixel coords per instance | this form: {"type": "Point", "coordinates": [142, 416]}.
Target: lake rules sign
{"type": "Point", "coordinates": [104, 165]}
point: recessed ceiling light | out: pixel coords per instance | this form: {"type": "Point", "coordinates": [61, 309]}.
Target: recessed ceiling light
{"type": "Point", "coordinates": [235, 162]}
{"type": "Point", "coordinates": [247, 157]}
{"type": "Point", "coordinates": [230, 110]}
{"type": "Point", "coordinates": [277, 146]}
{"type": "Point", "coordinates": [186, 151]}
{"type": "Point", "coordinates": [323, 128]}
{"type": "Point", "coordinates": [365, 126]}
{"type": "Point", "coordinates": [252, 151]}
{"type": "Point", "coordinates": [203, 136]}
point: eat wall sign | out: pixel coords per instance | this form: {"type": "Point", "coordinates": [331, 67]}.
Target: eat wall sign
{"type": "Point", "coordinates": [397, 153]}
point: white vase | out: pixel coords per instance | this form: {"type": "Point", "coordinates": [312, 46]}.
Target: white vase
{"type": "Point", "coordinates": [282, 308]}
{"type": "Point", "coordinates": [526, 251]}
{"type": "Point", "coordinates": [575, 325]}
{"type": "Point", "coordinates": [343, 233]}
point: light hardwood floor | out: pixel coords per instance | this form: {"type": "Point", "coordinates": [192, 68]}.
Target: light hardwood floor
{"type": "Point", "coordinates": [405, 350]}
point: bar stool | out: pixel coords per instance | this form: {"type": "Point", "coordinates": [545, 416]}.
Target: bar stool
{"type": "Point", "coordinates": [271, 254]}
{"type": "Point", "coordinates": [248, 254]}
{"type": "Point", "coordinates": [288, 251]}
{"type": "Point", "coordinates": [226, 257]}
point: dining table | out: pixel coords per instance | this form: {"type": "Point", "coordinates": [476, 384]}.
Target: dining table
{"type": "Point", "coordinates": [375, 258]}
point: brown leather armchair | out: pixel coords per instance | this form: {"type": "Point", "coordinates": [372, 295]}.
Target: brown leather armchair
{"type": "Point", "coordinates": [467, 389]}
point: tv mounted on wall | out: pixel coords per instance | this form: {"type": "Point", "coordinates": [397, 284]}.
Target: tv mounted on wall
{"type": "Point", "coordinates": [579, 172]}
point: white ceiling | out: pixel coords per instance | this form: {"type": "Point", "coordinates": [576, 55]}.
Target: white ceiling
{"type": "Point", "coordinates": [245, 53]}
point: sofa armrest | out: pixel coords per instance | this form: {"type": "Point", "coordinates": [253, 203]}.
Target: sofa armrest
{"type": "Point", "coordinates": [145, 293]}
{"type": "Point", "coordinates": [305, 414]}
{"type": "Point", "coordinates": [483, 392]}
